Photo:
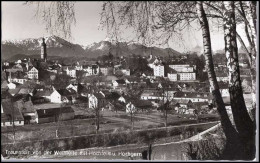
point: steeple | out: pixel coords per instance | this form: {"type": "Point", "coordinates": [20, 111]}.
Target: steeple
{"type": "Point", "coordinates": [43, 50]}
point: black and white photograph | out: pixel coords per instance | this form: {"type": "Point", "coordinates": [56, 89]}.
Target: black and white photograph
{"type": "Point", "coordinates": [129, 81]}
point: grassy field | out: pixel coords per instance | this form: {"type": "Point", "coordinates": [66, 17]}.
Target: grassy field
{"type": "Point", "coordinates": [84, 124]}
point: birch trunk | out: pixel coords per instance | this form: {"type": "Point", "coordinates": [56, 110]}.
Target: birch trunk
{"type": "Point", "coordinates": [225, 121]}
{"type": "Point", "coordinates": [243, 122]}
{"type": "Point", "coordinates": [252, 23]}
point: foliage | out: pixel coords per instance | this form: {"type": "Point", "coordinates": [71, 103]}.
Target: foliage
{"type": "Point", "coordinates": [61, 81]}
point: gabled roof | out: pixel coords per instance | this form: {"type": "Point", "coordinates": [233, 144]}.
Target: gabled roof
{"type": "Point", "coordinates": [120, 81]}
{"type": "Point", "coordinates": [113, 95]}
{"type": "Point", "coordinates": [66, 92]}
{"type": "Point", "coordinates": [26, 90]}
{"type": "Point", "coordinates": [45, 92]}
{"type": "Point", "coordinates": [14, 91]}
{"type": "Point", "coordinates": [31, 67]}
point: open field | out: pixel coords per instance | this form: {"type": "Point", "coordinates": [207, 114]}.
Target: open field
{"type": "Point", "coordinates": [109, 122]}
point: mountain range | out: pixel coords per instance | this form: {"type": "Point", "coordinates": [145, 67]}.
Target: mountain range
{"type": "Point", "coordinates": [58, 47]}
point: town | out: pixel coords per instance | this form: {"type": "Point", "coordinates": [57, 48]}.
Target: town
{"type": "Point", "coordinates": [151, 90]}
{"type": "Point", "coordinates": [114, 80]}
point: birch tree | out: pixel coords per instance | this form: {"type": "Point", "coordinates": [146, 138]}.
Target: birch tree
{"type": "Point", "coordinates": [244, 124]}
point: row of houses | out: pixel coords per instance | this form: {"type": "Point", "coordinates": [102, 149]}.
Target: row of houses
{"type": "Point", "coordinates": [19, 113]}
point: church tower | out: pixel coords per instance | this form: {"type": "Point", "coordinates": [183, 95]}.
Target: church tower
{"type": "Point", "coordinates": [43, 50]}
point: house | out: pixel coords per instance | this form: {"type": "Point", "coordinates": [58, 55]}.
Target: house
{"type": "Point", "coordinates": [11, 85]}
{"type": "Point", "coordinates": [118, 83]}
{"type": "Point", "coordinates": [115, 106]}
{"type": "Point", "coordinates": [151, 94]}
{"type": "Point", "coordinates": [43, 95]}
{"type": "Point", "coordinates": [122, 99]}
{"type": "Point", "coordinates": [63, 96]}
{"type": "Point", "coordinates": [73, 86]}
{"type": "Point", "coordinates": [10, 115]}
{"type": "Point", "coordinates": [222, 76]}
{"type": "Point", "coordinates": [181, 105]}
{"type": "Point", "coordinates": [224, 89]}
{"type": "Point", "coordinates": [91, 69]}
{"type": "Point", "coordinates": [28, 111]}
{"type": "Point", "coordinates": [33, 73]}
{"type": "Point", "coordinates": [193, 96]}
{"type": "Point", "coordinates": [20, 80]}
{"type": "Point", "coordinates": [110, 96]}
{"type": "Point", "coordinates": [17, 77]}
{"type": "Point", "coordinates": [48, 115]}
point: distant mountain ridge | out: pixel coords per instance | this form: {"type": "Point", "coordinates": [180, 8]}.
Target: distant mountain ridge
{"type": "Point", "coordinates": [57, 46]}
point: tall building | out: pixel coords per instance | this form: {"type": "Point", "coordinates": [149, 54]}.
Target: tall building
{"type": "Point", "coordinates": [43, 50]}
{"type": "Point", "coordinates": [158, 70]}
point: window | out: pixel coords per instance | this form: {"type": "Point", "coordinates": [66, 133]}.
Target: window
{"type": "Point", "coordinates": [19, 122]}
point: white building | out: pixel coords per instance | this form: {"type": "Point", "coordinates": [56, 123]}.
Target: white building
{"type": "Point", "coordinates": [104, 70]}
{"type": "Point", "coordinates": [11, 86]}
{"type": "Point", "coordinates": [187, 75]}
{"type": "Point", "coordinates": [71, 72]}
{"type": "Point", "coordinates": [33, 73]}
{"type": "Point", "coordinates": [17, 80]}
{"type": "Point", "coordinates": [158, 70]}
{"type": "Point", "coordinates": [55, 97]}
{"type": "Point", "coordinates": [91, 69]}
{"type": "Point", "coordinates": [173, 76]}
{"type": "Point", "coordinates": [126, 71]}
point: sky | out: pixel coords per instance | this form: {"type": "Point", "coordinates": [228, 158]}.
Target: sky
{"type": "Point", "coordinates": [18, 22]}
